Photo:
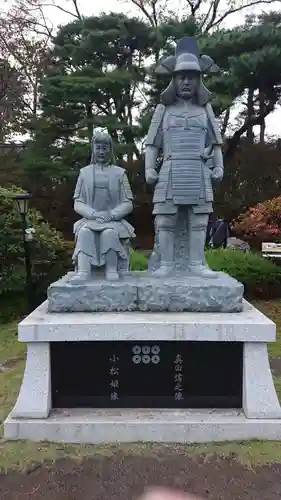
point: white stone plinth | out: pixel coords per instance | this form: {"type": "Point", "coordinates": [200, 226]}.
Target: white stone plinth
{"type": "Point", "coordinates": [31, 417]}
{"type": "Point", "coordinates": [247, 326]}
{"type": "Point", "coordinates": [259, 395]}
{"type": "Point", "coordinates": [129, 426]}
{"type": "Point", "coordinates": [34, 400]}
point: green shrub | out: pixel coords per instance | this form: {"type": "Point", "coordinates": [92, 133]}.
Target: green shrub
{"type": "Point", "coordinates": [50, 255]}
{"type": "Point", "coordinates": [260, 277]}
{"type": "Point", "coordinates": [138, 261]}
{"type": "Point", "coordinates": [12, 306]}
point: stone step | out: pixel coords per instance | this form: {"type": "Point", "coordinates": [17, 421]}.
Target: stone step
{"type": "Point", "coordinates": [128, 426]}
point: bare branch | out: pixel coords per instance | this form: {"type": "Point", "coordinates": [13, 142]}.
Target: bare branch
{"type": "Point", "coordinates": [19, 41]}
{"type": "Point", "coordinates": [62, 9]}
{"type": "Point", "coordinates": [233, 10]}
{"type": "Point", "coordinates": [50, 30]}
{"type": "Point", "coordinates": [77, 10]}
{"type": "Point", "coordinates": [194, 6]}
{"type": "Point", "coordinates": [205, 18]}
{"type": "Point", "coordinates": [213, 14]}
{"type": "Point", "coordinates": [141, 5]}
{"type": "Point", "coordinates": [209, 13]}
{"type": "Point", "coordinates": [154, 13]}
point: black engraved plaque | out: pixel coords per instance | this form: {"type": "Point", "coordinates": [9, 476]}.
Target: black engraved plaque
{"type": "Point", "coordinates": [146, 374]}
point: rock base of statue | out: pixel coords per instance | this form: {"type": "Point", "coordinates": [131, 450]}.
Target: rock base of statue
{"type": "Point", "coordinates": [141, 292]}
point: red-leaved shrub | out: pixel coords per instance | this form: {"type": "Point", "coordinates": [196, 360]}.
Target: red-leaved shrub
{"type": "Point", "coordinates": [262, 222]}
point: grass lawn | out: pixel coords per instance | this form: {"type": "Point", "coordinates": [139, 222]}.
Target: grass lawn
{"type": "Point", "coordinates": [25, 456]}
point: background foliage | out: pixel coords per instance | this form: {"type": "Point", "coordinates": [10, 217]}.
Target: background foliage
{"type": "Point", "coordinates": [261, 222]}
{"type": "Point", "coordinates": [261, 278]}
{"type": "Point", "coordinates": [50, 255]}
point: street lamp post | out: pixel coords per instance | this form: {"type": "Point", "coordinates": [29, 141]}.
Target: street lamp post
{"type": "Point", "coordinates": [22, 207]}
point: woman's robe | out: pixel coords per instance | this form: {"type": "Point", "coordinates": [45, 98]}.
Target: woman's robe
{"type": "Point", "coordinates": [104, 189]}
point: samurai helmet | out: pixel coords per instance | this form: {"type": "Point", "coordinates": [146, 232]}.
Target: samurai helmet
{"type": "Point", "coordinates": [187, 57]}
{"type": "Point", "coordinates": [187, 62]}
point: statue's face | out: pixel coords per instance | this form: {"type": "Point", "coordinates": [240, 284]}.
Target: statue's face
{"type": "Point", "coordinates": [102, 151]}
{"type": "Point", "coordinates": [186, 83]}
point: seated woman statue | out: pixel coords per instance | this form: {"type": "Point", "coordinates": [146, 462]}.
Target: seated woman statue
{"type": "Point", "coordinates": [103, 198]}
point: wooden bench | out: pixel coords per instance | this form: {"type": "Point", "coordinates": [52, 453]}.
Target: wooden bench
{"type": "Point", "coordinates": [271, 250]}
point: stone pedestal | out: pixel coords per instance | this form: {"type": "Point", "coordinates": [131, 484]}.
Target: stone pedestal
{"type": "Point", "coordinates": [34, 417]}
{"type": "Point", "coordinates": [139, 291]}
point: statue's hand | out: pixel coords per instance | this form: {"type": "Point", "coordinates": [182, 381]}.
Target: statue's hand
{"type": "Point", "coordinates": [93, 215]}
{"type": "Point", "coordinates": [103, 217]}
{"type": "Point", "coordinates": [208, 153]}
{"type": "Point", "coordinates": [113, 216]}
{"type": "Point", "coordinates": [151, 176]}
{"type": "Point", "coordinates": [217, 174]}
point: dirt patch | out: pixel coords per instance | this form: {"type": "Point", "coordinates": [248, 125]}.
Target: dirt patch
{"type": "Point", "coordinates": [124, 478]}
{"type": "Point", "coordinates": [10, 364]}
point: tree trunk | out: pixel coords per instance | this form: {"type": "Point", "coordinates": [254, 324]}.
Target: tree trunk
{"type": "Point", "coordinates": [90, 127]}
{"type": "Point", "coordinates": [262, 105]}
{"type": "Point", "coordinates": [250, 112]}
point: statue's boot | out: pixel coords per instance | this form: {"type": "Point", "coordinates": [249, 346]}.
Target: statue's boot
{"type": "Point", "coordinates": [197, 237]}
{"type": "Point", "coordinates": [166, 249]}
{"type": "Point", "coordinates": [111, 273]}
{"type": "Point", "coordinates": [83, 272]}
